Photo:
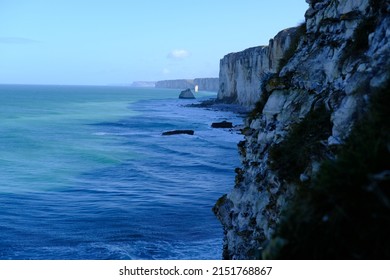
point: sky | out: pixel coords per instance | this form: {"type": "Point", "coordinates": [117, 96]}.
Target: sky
{"type": "Point", "coordinates": [103, 42]}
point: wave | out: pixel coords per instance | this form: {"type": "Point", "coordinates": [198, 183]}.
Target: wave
{"type": "Point", "coordinates": [109, 185]}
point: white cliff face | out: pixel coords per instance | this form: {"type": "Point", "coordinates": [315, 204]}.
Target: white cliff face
{"type": "Point", "coordinates": [241, 74]}
{"type": "Point", "coordinates": [207, 84]}
{"type": "Point", "coordinates": [204, 84]}
{"type": "Point", "coordinates": [175, 84]}
{"type": "Point", "coordinates": [343, 56]}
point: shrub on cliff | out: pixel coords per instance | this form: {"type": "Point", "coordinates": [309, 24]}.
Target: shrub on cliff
{"type": "Point", "coordinates": [345, 213]}
{"type": "Point", "coordinates": [259, 106]}
{"type": "Point", "coordinates": [302, 145]}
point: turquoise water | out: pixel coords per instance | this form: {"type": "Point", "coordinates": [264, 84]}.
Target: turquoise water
{"type": "Point", "coordinates": [86, 174]}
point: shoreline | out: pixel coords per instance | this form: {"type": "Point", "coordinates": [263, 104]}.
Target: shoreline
{"type": "Point", "coordinates": [214, 104]}
{"type": "Point", "coordinates": [221, 106]}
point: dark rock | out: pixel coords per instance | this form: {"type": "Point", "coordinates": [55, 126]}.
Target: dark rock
{"type": "Point", "coordinates": [174, 132]}
{"type": "Point", "coordinates": [223, 124]}
{"type": "Point", "coordinates": [187, 94]}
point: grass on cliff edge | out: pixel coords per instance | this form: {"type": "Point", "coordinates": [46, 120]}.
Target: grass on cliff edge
{"type": "Point", "coordinates": [345, 214]}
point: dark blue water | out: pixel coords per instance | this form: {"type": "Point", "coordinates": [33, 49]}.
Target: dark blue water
{"type": "Point", "coordinates": [86, 174]}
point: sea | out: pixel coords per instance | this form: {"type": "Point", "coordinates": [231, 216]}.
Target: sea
{"type": "Point", "coordinates": [85, 173]}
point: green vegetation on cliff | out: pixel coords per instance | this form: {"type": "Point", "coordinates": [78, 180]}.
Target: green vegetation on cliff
{"type": "Point", "coordinates": [302, 145]}
{"type": "Point", "coordinates": [345, 212]}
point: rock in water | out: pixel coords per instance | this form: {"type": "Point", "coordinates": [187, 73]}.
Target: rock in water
{"type": "Point", "coordinates": [223, 124]}
{"type": "Point", "coordinates": [174, 132]}
{"type": "Point", "coordinates": [187, 94]}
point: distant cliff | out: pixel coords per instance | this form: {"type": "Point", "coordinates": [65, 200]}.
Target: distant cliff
{"type": "Point", "coordinates": [176, 84]}
{"type": "Point", "coordinates": [241, 74]}
{"type": "Point", "coordinates": [207, 84]}
{"type": "Point", "coordinates": [143, 84]}
{"type": "Point", "coordinates": [315, 174]}
{"type": "Point", "coordinates": [204, 84]}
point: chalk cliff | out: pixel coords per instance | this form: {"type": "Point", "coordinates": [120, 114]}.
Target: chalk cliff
{"type": "Point", "coordinates": [207, 84]}
{"type": "Point", "coordinates": [204, 84]}
{"type": "Point", "coordinates": [314, 181]}
{"type": "Point", "coordinates": [241, 74]}
{"type": "Point", "coordinates": [175, 84]}
{"type": "Point", "coordinates": [144, 84]}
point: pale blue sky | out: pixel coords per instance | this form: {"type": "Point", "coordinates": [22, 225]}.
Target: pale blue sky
{"type": "Point", "coordinates": [118, 41]}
